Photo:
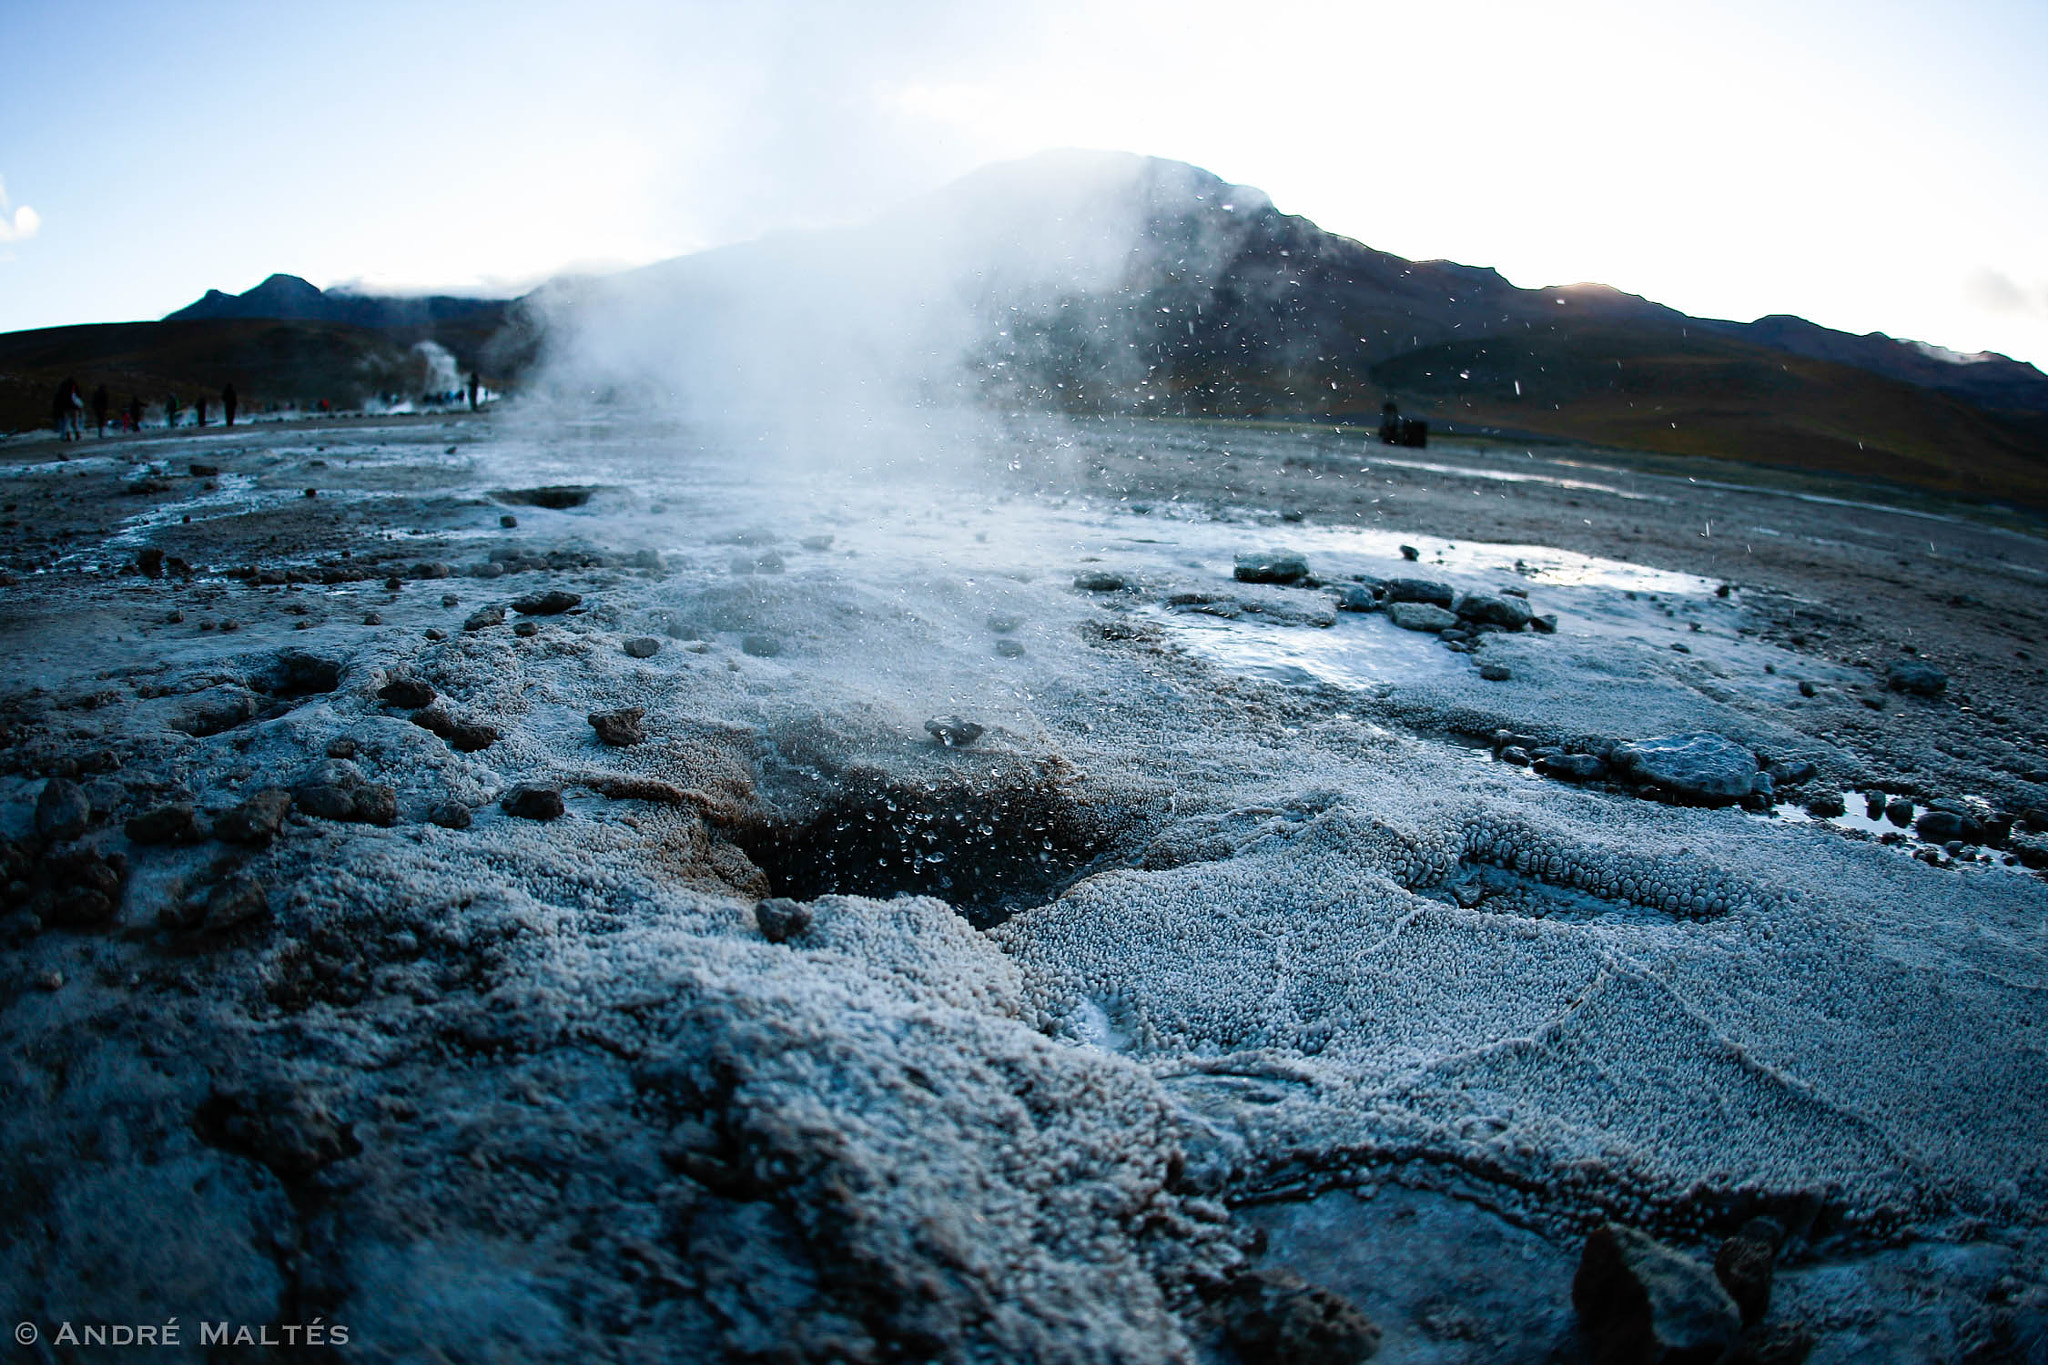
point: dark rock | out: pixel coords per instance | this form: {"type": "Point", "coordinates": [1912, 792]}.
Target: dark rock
{"type": "Point", "coordinates": [1916, 676]}
{"type": "Point", "coordinates": [450, 815]}
{"type": "Point", "coordinates": [295, 673]}
{"type": "Point", "coordinates": [483, 618]}
{"type": "Point", "coordinates": [1572, 767]}
{"type": "Point", "coordinates": [1410, 553]}
{"type": "Point", "coordinates": [1495, 672]}
{"type": "Point", "coordinates": [1419, 590]}
{"type": "Point", "coordinates": [1790, 774]}
{"type": "Point", "coordinates": [952, 731]}
{"type": "Point", "coordinates": [1271, 566]}
{"type": "Point", "coordinates": [1899, 811]}
{"type": "Point", "coordinates": [781, 919]}
{"type": "Point", "coordinates": [1545, 624]}
{"type": "Point", "coordinates": [1358, 598]}
{"type": "Point", "coordinates": [176, 823]}
{"type": "Point", "coordinates": [1826, 805]}
{"type": "Point", "coordinates": [341, 747]}
{"type": "Point", "coordinates": [532, 801]}
{"type": "Point", "coordinates": [216, 710]}
{"type": "Point", "coordinates": [150, 560]}
{"type": "Point", "coordinates": [1100, 580]}
{"type": "Point", "coordinates": [526, 630]}
{"type": "Point", "coordinates": [409, 693]}
{"type": "Point", "coordinates": [333, 789]}
{"type": "Point", "coordinates": [463, 736]}
{"type": "Point", "coordinates": [256, 820]}
{"type": "Point", "coordinates": [760, 646]}
{"type": "Point", "coordinates": [63, 810]}
{"type": "Point", "coordinates": [1702, 769]}
{"type": "Point", "coordinates": [1744, 1267]}
{"type": "Point", "coordinates": [204, 471]}
{"type": "Point", "coordinates": [619, 728]}
{"type": "Point", "coordinates": [1420, 616]}
{"type": "Point", "coordinates": [1515, 754]}
{"type": "Point", "coordinates": [1639, 1301]}
{"type": "Point", "coordinates": [86, 886]}
{"type": "Point", "coordinates": [1509, 613]}
{"type": "Point", "coordinates": [432, 569]}
{"type": "Point", "coordinates": [371, 618]}
{"type": "Point", "coordinates": [1807, 689]}
{"type": "Point", "coordinates": [1010, 649]}
{"type": "Point", "coordinates": [282, 1127]}
{"type": "Point", "coordinates": [1274, 1317]}
{"type": "Point", "coordinates": [551, 603]}
{"type": "Point", "coordinates": [1940, 826]}
{"type": "Point", "coordinates": [642, 647]}
{"type": "Point", "coordinates": [508, 521]}
{"type": "Point", "coordinates": [241, 899]}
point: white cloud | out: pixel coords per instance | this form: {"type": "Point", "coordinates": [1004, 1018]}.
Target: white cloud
{"type": "Point", "coordinates": [21, 224]}
{"type": "Point", "coordinates": [1999, 293]}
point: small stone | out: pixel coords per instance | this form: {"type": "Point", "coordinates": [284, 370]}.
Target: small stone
{"type": "Point", "coordinates": [463, 736]}
{"type": "Point", "coordinates": [1744, 1267]}
{"type": "Point", "coordinates": [780, 919]}
{"type": "Point", "coordinates": [341, 746]}
{"type": "Point", "coordinates": [51, 980]}
{"type": "Point", "coordinates": [1699, 769]}
{"type": "Point", "coordinates": [409, 693]}
{"type": "Point", "coordinates": [62, 810]}
{"type": "Point", "coordinates": [819, 543]}
{"type": "Point", "coordinates": [1509, 613]}
{"type": "Point", "coordinates": [432, 633]}
{"type": "Point", "coordinates": [619, 728]}
{"type": "Point", "coordinates": [551, 603]}
{"type": "Point", "coordinates": [1572, 767]}
{"type": "Point", "coordinates": [642, 647]}
{"type": "Point", "coordinates": [433, 569]}
{"type": "Point", "coordinates": [1358, 598]}
{"type": "Point", "coordinates": [1002, 623]}
{"type": "Point", "coordinates": [1010, 649]}
{"type": "Point", "coordinates": [1795, 773]}
{"type": "Point", "coordinates": [204, 471]}
{"type": "Point", "coordinates": [484, 618]}
{"type": "Point", "coordinates": [1941, 826]}
{"type": "Point", "coordinates": [1410, 553]}
{"type": "Point", "coordinates": [1807, 689]}
{"type": "Point", "coordinates": [1270, 566]}
{"type": "Point", "coordinates": [150, 560]}
{"type": "Point", "coordinates": [1826, 805]}
{"type": "Point", "coordinates": [532, 801]}
{"type": "Point", "coordinates": [256, 820]}
{"type": "Point", "coordinates": [312, 492]}
{"type": "Point", "coordinates": [1274, 1317]}
{"type": "Point", "coordinates": [1100, 580]}
{"type": "Point", "coordinates": [239, 900]}
{"type": "Point", "coordinates": [508, 521]}
{"type": "Point", "coordinates": [1917, 677]}
{"type": "Point", "coordinates": [1419, 590]}
{"type": "Point", "coordinates": [449, 599]}
{"type": "Point", "coordinates": [1899, 811]}
{"type": "Point", "coordinates": [1495, 672]}
{"type": "Point", "coordinates": [450, 815]}
{"type": "Point", "coordinates": [371, 618]}
{"type": "Point", "coordinates": [952, 731]}
{"type": "Point", "coordinates": [1420, 616]}
{"type": "Point", "coordinates": [760, 646]}
{"type": "Point", "coordinates": [526, 630]}
{"type": "Point", "coordinates": [334, 790]}
{"type": "Point", "coordinates": [176, 823]}
{"type": "Point", "coordinates": [1515, 754]}
{"type": "Point", "coordinates": [1545, 624]}
{"type": "Point", "coordinates": [175, 618]}
{"type": "Point", "coordinates": [1640, 1301]}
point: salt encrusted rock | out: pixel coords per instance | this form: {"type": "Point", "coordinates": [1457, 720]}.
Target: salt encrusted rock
{"type": "Point", "coordinates": [1358, 598]}
{"type": "Point", "coordinates": [485, 617]}
{"type": "Point", "coordinates": [1510, 613]}
{"type": "Point", "coordinates": [1420, 616]}
{"type": "Point", "coordinates": [760, 646]}
{"type": "Point", "coordinates": [1100, 580]}
{"type": "Point", "coordinates": [1744, 1266]}
{"type": "Point", "coordinates": [1940, 826]}
{"type": "Point", "coordinates": [1641, 1302]}
{"type": "Point", "coordinates": [952, 731]}
{"type": "Point", "coordinates": [1916, 676]}
{"type": "Point", "coordinates": [1495, 672]}
{"type": "Point", "coordinates": [642, 647]}
{"type": "Point", "coordinates": [256, 820]}
{"type": "Point", "coordinates": [1271, 566]}
{"type": "Point", "coordinates": [176, 823]}
{"type": "Point", "coordinates": [1572, 767]}
{"type": "Point", "coordinates": [238, 900]}
{"type": "Point", "coordinates": [781, 919]}
{"type": "Point", "coordinates": [551, 603]}
{"type": "Point", "coordinates": [334, 789]}
{"type": "Point", "coordinates": [619, 728]}
{"type": "Point", "coordinates": [1010, 649]}
{"type": "Point", "coordinates": [409, 693]}
{"type": "Point", "coordinates": [217, 709]}
{"type": "Point", "coordinates": [1410, 553]}
{"type": "Point", "coordinates": [463, 736]}
{"type": "Point", "coordinates": [1826, 805]}
{"type": "Point", "coordinates": [450, 815]}
{"type": "Point", "coordinates": [532, 801]}
{"type": "Point", "coordinates": [62, 810]}
{"type": "Point", "coordinates": [1419, 590]}
{"type": "Point", "coordinates": [1699, 769]}
{"type": "Point", "coordinates": [1274, 1317]}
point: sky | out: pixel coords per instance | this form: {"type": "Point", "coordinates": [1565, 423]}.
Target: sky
{"type": "Point", "coordinates": [1872, 166]}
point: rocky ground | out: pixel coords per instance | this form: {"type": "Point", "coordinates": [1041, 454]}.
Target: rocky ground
{"type": "Point", "coordinates": [513, 888]}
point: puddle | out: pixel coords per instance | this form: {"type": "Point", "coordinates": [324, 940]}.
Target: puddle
{"type": "Point", "coordinates": [1360, 651]}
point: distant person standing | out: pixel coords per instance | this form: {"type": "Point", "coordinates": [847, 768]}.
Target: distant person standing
{"type": "Point", "coordinates": [100, 403]}
{"type": "Point", "coordinates": [60, 410]}
{"type": "Point", "coordinates": [227, 402]}
{"type": "Point", "coordinates": [134, 413]}
{"type": "Point", "coordinates": [171, 410]}
{"type": "Point", "coordinates": [199, 410]}
{"type": "Point", "coordinates": [472, 390]}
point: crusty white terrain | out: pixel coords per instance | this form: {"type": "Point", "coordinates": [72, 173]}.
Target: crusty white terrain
{"type": "Point", "coordinates": [1227, 942]}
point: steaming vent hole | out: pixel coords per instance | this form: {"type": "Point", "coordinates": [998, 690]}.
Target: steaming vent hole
{"type": "Point", "coordinates": [988, 845]}
{"type": "Point", "coordinates": [557, 497]}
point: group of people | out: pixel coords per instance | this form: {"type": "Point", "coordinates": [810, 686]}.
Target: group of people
{"type": "Point", "coordinates": [70, 406]}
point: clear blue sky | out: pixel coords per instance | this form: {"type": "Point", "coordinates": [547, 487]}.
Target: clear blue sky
{"type": "Point", "coordinates": [1872, 166]}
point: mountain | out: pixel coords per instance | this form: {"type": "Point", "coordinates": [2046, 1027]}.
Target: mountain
{"type": "Point", "coordinates": [289, 297]}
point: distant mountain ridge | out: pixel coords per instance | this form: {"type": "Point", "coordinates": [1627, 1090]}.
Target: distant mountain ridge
{"type": "Point", "coordinates": [289, 298]}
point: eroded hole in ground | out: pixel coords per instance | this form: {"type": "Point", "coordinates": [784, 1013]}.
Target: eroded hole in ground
{"type": "Point", "coordinates": [989, 842]}
{"type": "Point", "coordinates": [558, 497]}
